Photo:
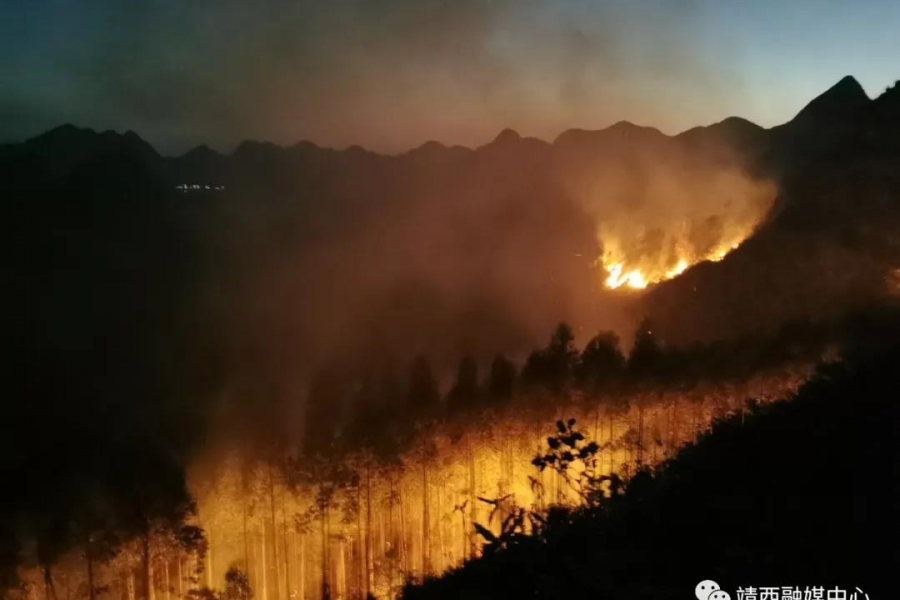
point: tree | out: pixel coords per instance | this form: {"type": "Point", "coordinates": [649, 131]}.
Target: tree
{"type": "Point", "coordinates": [502, 380]}
{"type": "Point", "coordinates": [646, 361]}
{"type": "Point", "coordinates": [154, 504]}
{"type": "Point", "coordinates": [552, 368]}
{"type": "Point", "coordinates": [423, 396]}
{"type": "Point", "coordinates": [327, 477]}
{"type": "Point", "coordinates": [94, 527]}
{"type": "Point", "coordinates": [322, 409]}
{"type": "Point", "coordinates": [576, 461]}
{"type": "Point", "coordinates": [601, 363]}
{"type": "Point", "coordinates": [648, 366]}
{"type": "Point", "coordinates": [466, 392]}
{"type": "Point", "coordinates": [51, 538]}
{"type": "Point", "coordinates": [237, 585]}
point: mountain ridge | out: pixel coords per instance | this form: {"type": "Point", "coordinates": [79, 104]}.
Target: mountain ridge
{"type": "Point", "coordinates": [845, 91]}
{"type": "Point", "coordinates": [833, 164]}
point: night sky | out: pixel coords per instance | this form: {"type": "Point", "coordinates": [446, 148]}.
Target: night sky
{"type": "Point", "coordinates": [391, 74]}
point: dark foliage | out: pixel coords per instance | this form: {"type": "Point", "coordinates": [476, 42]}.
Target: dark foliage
{"type": "Point", "coordinates": [502, 380]}
{"type": "Point", "coordinates": [553, 367]}
{"type": "Point", "coordinates": [466, 391]}
{"type": "Point", "coordinates": [801, 492]}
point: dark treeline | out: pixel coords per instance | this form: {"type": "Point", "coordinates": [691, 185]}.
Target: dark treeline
{"type": "Point", "coordinates": [384, 407]}
{"type": "Point", "coordinates": [109, 492]}
{"type": "Point", "coordinates": [101, 409]}
{"type": "Point", "coordinates": [139, 315]}
{"type": "Point", "coordinates": [801, 493]}
{"type": "Point", "coordinates": [386, 483]}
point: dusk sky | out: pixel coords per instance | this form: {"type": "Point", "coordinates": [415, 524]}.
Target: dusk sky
{"type": "Point", "coordinates": [392, 74]}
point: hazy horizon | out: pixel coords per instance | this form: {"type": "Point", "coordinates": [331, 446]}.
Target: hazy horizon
{"type": "Point", "coordinates": [392, 76]}
{"type": "Point", "coordinates": [228, 149]}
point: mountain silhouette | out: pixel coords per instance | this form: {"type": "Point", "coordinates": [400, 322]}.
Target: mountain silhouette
{"type": "Point", "coordinates": [826, 245]}
{"type": "Point", "coordinates": [843, 99]}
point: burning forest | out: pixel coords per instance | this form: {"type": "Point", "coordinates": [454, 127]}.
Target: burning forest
{"type": "Point", "coordinates": [416, 480]}
{"type": "Point", "coordinates": [610, 362]}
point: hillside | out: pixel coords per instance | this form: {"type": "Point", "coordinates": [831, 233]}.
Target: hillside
{"type": "Point", "coordinates": [797, 493]}
{"type": "Point", "coordinates": [828, 245]}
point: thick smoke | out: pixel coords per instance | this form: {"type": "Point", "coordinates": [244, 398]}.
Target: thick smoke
{"type": "Point", "coordinates": [387, 75]}
{"type": "Point", "coordinates": [661, 207]}
{"type": "Point", "coordinates": [361, 262]}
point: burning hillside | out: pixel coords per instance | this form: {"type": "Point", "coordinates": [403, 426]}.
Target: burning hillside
{"type": "Point", "coordinates": [287, 306]}
{"type": "Point", "coordinates": [676, 228]}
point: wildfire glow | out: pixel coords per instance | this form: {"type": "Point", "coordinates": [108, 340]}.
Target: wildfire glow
{"type": "Point", "coordinates": [618, 275]}
{"type": "Point", "coordinates": [633, 279]}
{"type": "Point", "coordinates": [680, 268]}
{"type": "Point", "coordinates": [673, 218]}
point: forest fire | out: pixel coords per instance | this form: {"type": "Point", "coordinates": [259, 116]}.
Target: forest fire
{"type": "Point", "coordinates": [618, 275]}
{"type": "Point", "coordinates": [365, 525]}
{"type": "Point", "coordinates": [368, 525]}
{"type": "Point", "coordinates": [412, 494]}
{"type": "Point", "coordinates": [320, 373]}
{"type": "Point", "coordinates": [681, 217]}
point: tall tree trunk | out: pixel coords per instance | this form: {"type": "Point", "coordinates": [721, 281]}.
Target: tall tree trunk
{"type": "Point", "coordinates": [640, 457]}
{"type": "Point", "coordinates": [49, 587]}
{"type": "Point", "coordinates": [473, 503]}
{"type": "Point", "coordinates": [361, 554]}
{"type": "Point", "coordinates": [326, 590]}
{"type": "Point", "coordinates": [302, 593]}
{"type": "Point", "coordinates": [180, 577]}
{"type": "Point", "coordinates": [464, 546]}
{"type": "Point", "coordinates": [370, 563]}
{"type": "Point", "coordinates": [130, 585]}
{"type": "Point", "coordinates": [168, 582]}
{"type": "Point", "coordinates": [275, 562]}
{"type": "Point", "coordinates": [148, 567]}
{"type": "Point", "coordinates": [510, 465]}
{"type": "Point", "coordinates": [426, 525]}
{"type": "Point", "coordinates": [244, 527]}
{"type": "Point", "coordinates": [404, 558]}
{"type": "Point", "coordinates": [393, 540]}
{"type": "Point", "coordinates": [262, 556]}
{"type": "Point", "coordinates": [257, 579]}
{"type": "Point", "coordinates": [341, 578]}
{"type": "Point", "coordinates": [440, 527]}
{"type": "Point", "coordinates": [92, 590]}
{"type": "Point", "coordinates": [209, 556]}
{"type": "Point", "coordinates": [670, 426]}
{"type": "Point", "coordinates": [611, 450]}
{"type": "Point", "coordinates": [284, 539]}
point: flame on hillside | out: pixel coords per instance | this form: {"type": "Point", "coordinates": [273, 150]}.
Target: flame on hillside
{"type": "Point", "coordinates": [661, 240]}
{"type": "Point", "coordinates": [638, 278]}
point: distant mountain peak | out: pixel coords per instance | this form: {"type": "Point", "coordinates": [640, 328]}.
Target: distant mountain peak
{"type": "Point", "coordinates": [891, 94]}
{"type": "Point", "coordinates": [430, 146]}
{"type": "Point", "coordinates": [68, 128]}
{"type": "Point", "coordinates": [847, 95]}
{"type": "Point", "coordinates": [256, 149]}
{"type": "Point", "coordinates": [624, 126]}
{"type": "Point", "coordinates": [622, 131]}
{"type": "Point", "coordinates": [737, 122]}
{"type": "Point", "coordinates": [848, 83]}
{"type": "Point", "coordinates": [201, 151]}
{"type": "Point", "coordinates": [66, 131]}
{"type": "Point", "coordinates": [507, 135]}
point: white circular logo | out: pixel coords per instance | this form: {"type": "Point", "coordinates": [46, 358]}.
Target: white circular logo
{"type": "Point", "coordinates": [706, 588]}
